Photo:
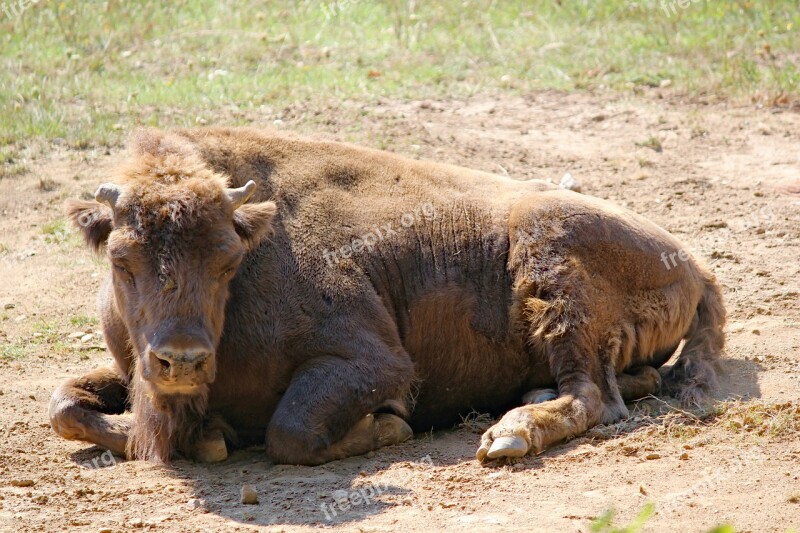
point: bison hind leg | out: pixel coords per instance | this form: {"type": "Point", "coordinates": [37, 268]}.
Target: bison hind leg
{"type": "Point", "coordinates": [633, 385]}
{"type": "Point", "coordinates": [693, 378]}
{"type": "Point", "coordinates": [370, 433]}
{"type": "Point", "coordinates": [691, 381]}
{"type": "Point", "coordinates": [639, 383]}
{"type": "Point", "coordinates": [539, 396]}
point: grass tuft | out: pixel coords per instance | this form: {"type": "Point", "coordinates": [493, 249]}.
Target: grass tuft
{"type": "Point", "coordinates": [10, 351]}
{"type": "Point", "coordinates": [764, 419]}
{"type": "Point", "coordinates": [476, 422]}
{"type": "Point", "coordinates": [658, 418]}
{"type": "Point", "coordinates": [56, 232]}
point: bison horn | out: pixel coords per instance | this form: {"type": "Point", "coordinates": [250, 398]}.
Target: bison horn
{"type": "Point", "coordinates": [242, 194]}
{"type": "Point", "coordinates": [108, 194]}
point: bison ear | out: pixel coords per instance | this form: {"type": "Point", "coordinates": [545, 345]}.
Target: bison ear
{"type": "Point", "coordinates": [93, 220]}
{"type": "Point", "coordinates": [253, 222]}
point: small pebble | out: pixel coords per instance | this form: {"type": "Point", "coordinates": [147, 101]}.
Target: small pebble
{"type": "Point", "coordinates": [86, 338]}
{"type": "Point", "coordinates": [570, 183]}
{"type": "Point", "coordinates": [651, 456]}
{"type": "Point", "coordinates": [249, 495]}
{"type": "Point", "coordinates": [22, 483]}
{"type": "Point", "coordinates": [194, 503]}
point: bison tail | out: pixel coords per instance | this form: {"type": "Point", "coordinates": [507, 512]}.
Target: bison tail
{"type": "Point", "coordinates": [694, 376]}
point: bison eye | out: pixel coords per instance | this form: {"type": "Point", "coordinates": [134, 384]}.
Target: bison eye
{"type": "Point", "coordinates": [125, 273]}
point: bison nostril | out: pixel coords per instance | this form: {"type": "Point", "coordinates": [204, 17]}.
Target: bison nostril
{"type": "Point", "coordinates": [165, 364]}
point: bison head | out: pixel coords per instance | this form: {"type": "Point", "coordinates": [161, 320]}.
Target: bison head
{"type": "Point", "coordinates": [175, 235]}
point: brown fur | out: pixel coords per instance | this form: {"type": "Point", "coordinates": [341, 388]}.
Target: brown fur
{"type": "Point", "coordinates": [497, 287]}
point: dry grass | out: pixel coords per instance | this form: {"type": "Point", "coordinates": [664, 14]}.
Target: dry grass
{"type": "Point", "coordinates": [654, 417]}
{"type": "Point", "coordinates": [775, 421]}
{"type": "Point", "coordinates": [476, 422]}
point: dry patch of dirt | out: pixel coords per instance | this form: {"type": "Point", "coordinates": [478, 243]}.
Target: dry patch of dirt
{"type": "Point", "coordinates": [725, 180]}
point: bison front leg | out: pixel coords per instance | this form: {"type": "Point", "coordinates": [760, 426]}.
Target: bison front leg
{"type": "Point", "coordinates": [532, 428]}
{"type": "Point", "coordinates": [588, 394]}
{"type": "Point", "coordinates": [336, 408]}
{"type": "Point", "coordinates": [90, 408]}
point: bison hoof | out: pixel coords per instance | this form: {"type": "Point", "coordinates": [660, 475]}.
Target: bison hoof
{"type": "Point", "coordinates": [392, 429]}
{"type": "Point", "coordinates": [539, 396]}
{"type": "Point", "coordinates": [503, 447]}
{"type": "Point", "coordinates": [212, 448]}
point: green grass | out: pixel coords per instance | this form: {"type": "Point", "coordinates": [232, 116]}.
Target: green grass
{"type": "Point", "coordinates": [49, 337]}
{"type": "Point", "coordinates": [605, 522]}
{"type": "Point", "coordinates": [88, 72]}
{"type": "Point", "coordinates": [45, 333]}
{"type": "Point", "coordinates": [56, 232]}
{"type": "Point", "coordinates": [10, 351]}
{"type": "Point", "coordinates": [81, 321]}
{"type": "Point", "coordinates": [10, 163]}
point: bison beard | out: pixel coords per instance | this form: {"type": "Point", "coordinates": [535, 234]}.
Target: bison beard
{"type": "Point", "coordinates": [164, 424]}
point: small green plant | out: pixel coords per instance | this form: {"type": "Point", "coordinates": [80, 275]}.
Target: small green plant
{"type": "Point", "coordinates": [724, 528]}
{"type": "Point", "coordinates": [604, 523]}
{"type": "Point", "coordinates": [45, 333]}
{"type": "Point", "coordinates": [55, 232]}
{"type": "Point", "coordinates": [80, 321]}
{"type": "Point", "coordinates": [12, 351]}
{"type": "Point", "coordinates": [653, 143]}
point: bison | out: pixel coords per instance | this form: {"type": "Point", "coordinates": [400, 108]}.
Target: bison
{"type": "Point", "coordinates": [327, 300]}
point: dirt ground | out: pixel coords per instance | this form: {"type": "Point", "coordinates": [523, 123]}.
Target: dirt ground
{"type": "Point", "coordinates": [724, 179]}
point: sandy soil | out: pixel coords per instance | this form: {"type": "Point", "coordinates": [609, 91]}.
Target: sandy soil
{"type": "Point", "coordinates": [725, 180]}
